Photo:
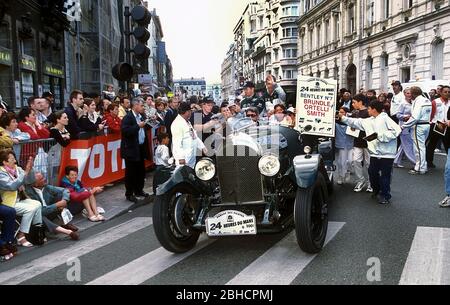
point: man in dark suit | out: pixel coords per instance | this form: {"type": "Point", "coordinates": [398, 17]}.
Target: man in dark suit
{"type": "Point", "coordinates": [171, 115]}
{"type": "Point", "coordinates": [76, 102]}
{"type": "Point", "coordinates": [134, 149]}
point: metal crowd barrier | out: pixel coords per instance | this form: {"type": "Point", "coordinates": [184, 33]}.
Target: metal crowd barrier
{"type": "Point", "coordinates": [46, 154]}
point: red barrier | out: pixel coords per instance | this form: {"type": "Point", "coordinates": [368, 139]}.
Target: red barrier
{"type": "Point", "coordinates": [98, 159]}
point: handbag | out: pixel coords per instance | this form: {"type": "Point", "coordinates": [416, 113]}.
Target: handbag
{"type": "Point", "coordinates": [36, 236]}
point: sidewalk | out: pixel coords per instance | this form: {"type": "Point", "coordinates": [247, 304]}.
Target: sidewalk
{"type": "Point", "coordinates": [115, 204]}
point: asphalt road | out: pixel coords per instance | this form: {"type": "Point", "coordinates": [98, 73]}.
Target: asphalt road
{"type": "Point", "coordinates": [126, 251]}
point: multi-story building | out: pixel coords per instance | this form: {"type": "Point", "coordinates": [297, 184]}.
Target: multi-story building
{"type": "Point", "coordinates": [228, 73]}
{"type": "Point", "coordinates": [215, 91]}
{"type": "Point", "coordinates": [32, 50]}
{"type": "Point", "coordinates": [266, 39]}
{"type": "Point", "coordinates": [191, 86]}
{"type": "Point", "coordinates": [159, 65]}
{"type": "Point", "coordinates": [368, 44]}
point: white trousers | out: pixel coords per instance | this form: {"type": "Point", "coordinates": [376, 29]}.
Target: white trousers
{"type": "Point", "coordinates": [420, 135]}
{"type": "Point", "coordinates": [361, 155]}
{"type": "Point", "coordinates": [344, 158]}
{"type": "Point", "coordinates": [30, 210]}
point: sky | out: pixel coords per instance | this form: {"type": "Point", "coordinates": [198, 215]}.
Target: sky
{"type": "Point", "coordinates": [198, 34]}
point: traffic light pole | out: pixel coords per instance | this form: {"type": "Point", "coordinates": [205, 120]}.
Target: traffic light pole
{"type": "Point", "coordinates": [127, 38]}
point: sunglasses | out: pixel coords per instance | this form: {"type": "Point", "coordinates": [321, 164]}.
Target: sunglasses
{"type": "Point", "coordinates": [251, 115]}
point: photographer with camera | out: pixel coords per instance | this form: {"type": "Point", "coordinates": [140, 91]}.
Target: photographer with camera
{"type": "Point", "coordinates": [382, 136]}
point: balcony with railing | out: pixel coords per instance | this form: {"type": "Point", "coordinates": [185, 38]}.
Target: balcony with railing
{"type": "Point", "coordinates": [289, 40]}
{"type": "Point", "coordinates": [288, 19]}
{"type": "Point", "coordinates": [288, 61]}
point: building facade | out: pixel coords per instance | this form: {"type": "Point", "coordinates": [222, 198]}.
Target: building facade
{"type": "Point", "coordinates": [228, 74]}
{"type": "Point", "coordinates": [368, 44]}
{"type": "Point", "coordinates": [159, 64]}
{"type": "Point", "coordinates": [266, 42]}
{"type": "Point", "coordinates": [31, 50]}
{"type": "Point", "coordinates": [190, 86]}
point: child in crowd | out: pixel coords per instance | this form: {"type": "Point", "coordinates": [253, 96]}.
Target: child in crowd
{"type": "Point", "coordinates": [162, 154]}
{"type": "Point", "coordinates": [79, 194]}
{"type": "Point", "coordinates": [162, 160]}
{"type": "Point", "coordinates": [344, 148]}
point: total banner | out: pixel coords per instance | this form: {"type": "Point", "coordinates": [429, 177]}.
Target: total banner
{"type": "Point", "coordinates": [316, 106]}
{"type": "Point", "coordinates": [98, 160]}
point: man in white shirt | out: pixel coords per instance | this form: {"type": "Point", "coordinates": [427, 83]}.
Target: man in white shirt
{"type": "Point", "coordinates": [441, 116]}
{"type": "Point", "coordinates": [185, 141]}
{"type": "Point", "coordinates": [397, 100]}
{"type": "Point", "coordinates": [420, 124]}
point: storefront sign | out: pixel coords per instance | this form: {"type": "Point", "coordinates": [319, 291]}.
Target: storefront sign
{"type": "Point", "coordinates": [5, 57]}
{"type": "Point", "coordinates": [28, 63]}
{"type": "Point", "coordinates": [316, 106]}
{"type": "Point", "coordinates": [53, 70]}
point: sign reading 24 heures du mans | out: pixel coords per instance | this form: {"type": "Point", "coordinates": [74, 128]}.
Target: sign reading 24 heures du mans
{"type": "Point", "coordinates": [316, 106]}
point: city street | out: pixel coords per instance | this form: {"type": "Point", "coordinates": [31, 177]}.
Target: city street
{"type": "Point", "coordinates": [126, 251]}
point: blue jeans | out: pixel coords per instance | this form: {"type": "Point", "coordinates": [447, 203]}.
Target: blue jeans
{"type": "Point", "coordinates": [8, 217]}
{"type": "Point", "coordinates": [447, 174]}
{"type": "Point", "coordinates": [380, 174]}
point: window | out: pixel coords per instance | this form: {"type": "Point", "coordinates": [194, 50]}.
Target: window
{"type": "Point", "coordinates": [289, 53]}
{"type": "Point", "coordinates": [327, 32]}
{"type": "Point", "coordinates": [369, 70]}
{"type": "Point", "coordinates": [437, 57]}
{"type": "Point", "coordinates": [290, 74]}
{"type": "Point", "coordinates": [318, 36]}
{"type": "Point", "coordinates": [387, 8]}
{"type": "Point", "coordinates": [371, 13]}
{"type": "Point", "coordinates": [384, 67]}
{"type": "Point", "coordinates": [310, 40]}
{"type": "Point", "coordinates": [261, 23]}
{"type": "Point", "coordinates": [336, 28]}
{"type": "Point", "coordinates": [5, 35]}
{"type": "Point", "coordinates": [290, 32]}
{"type": "Point", "coordinates": [253, 26]}
{"type": "Point", "coordinates": [351, 19]}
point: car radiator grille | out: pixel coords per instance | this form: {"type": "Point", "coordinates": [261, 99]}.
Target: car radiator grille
{"type": "Point", "coordinates": [239, 176]}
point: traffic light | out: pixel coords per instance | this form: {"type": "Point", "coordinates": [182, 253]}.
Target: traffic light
{"type": "Point", "coordinates": [142, 17]}
{"type": "Point", "coordinates": [122, 72]}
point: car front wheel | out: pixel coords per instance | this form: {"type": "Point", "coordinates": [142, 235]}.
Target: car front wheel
{"type": "Point", "coordinates": [311, 216]}
{"type": "Point", "coordinates": [174, 214]}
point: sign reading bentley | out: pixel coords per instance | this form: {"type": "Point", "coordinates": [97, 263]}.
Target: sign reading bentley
{"type": "Point", "coordinates": [316, 106]}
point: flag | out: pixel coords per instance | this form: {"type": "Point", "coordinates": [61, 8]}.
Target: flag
{"type": "Point", "coordinates": [72, 9]}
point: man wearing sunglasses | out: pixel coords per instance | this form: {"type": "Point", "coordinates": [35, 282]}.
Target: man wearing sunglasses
{"type": "Point", "coordinates": [253, 113]}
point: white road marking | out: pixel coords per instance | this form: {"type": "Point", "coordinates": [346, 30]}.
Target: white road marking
{"type": "Point", "coordinates": [281, 264]}
{"type": "Point", "coordinates": [428, 261]}
{"type": "Point", "coordinates": [147, 266]}
{"type": "Point", "coordinates": [53, 260]}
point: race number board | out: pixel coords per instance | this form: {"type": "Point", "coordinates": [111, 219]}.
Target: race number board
{"type": "Point", "coordinates": [316, 106]}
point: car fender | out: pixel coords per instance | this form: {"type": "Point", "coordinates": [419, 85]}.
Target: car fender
{"type": "Point", "coordinates": [183, 175]}
{"type": "Point", "coordinates": [306, 168]}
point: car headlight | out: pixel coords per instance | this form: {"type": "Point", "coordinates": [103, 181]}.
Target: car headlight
{"type": "Point", "coordinates": [205, 170]}
{"type": "Point", "coordinates": [269, 165]}
{"type": "Point", "coordinates": [307, 150]}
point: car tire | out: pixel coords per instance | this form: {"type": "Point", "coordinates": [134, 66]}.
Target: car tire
{"type": "Point", "coordinates": [162, 226]}
{"type": "Point", "coordinates": [311, 216]}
